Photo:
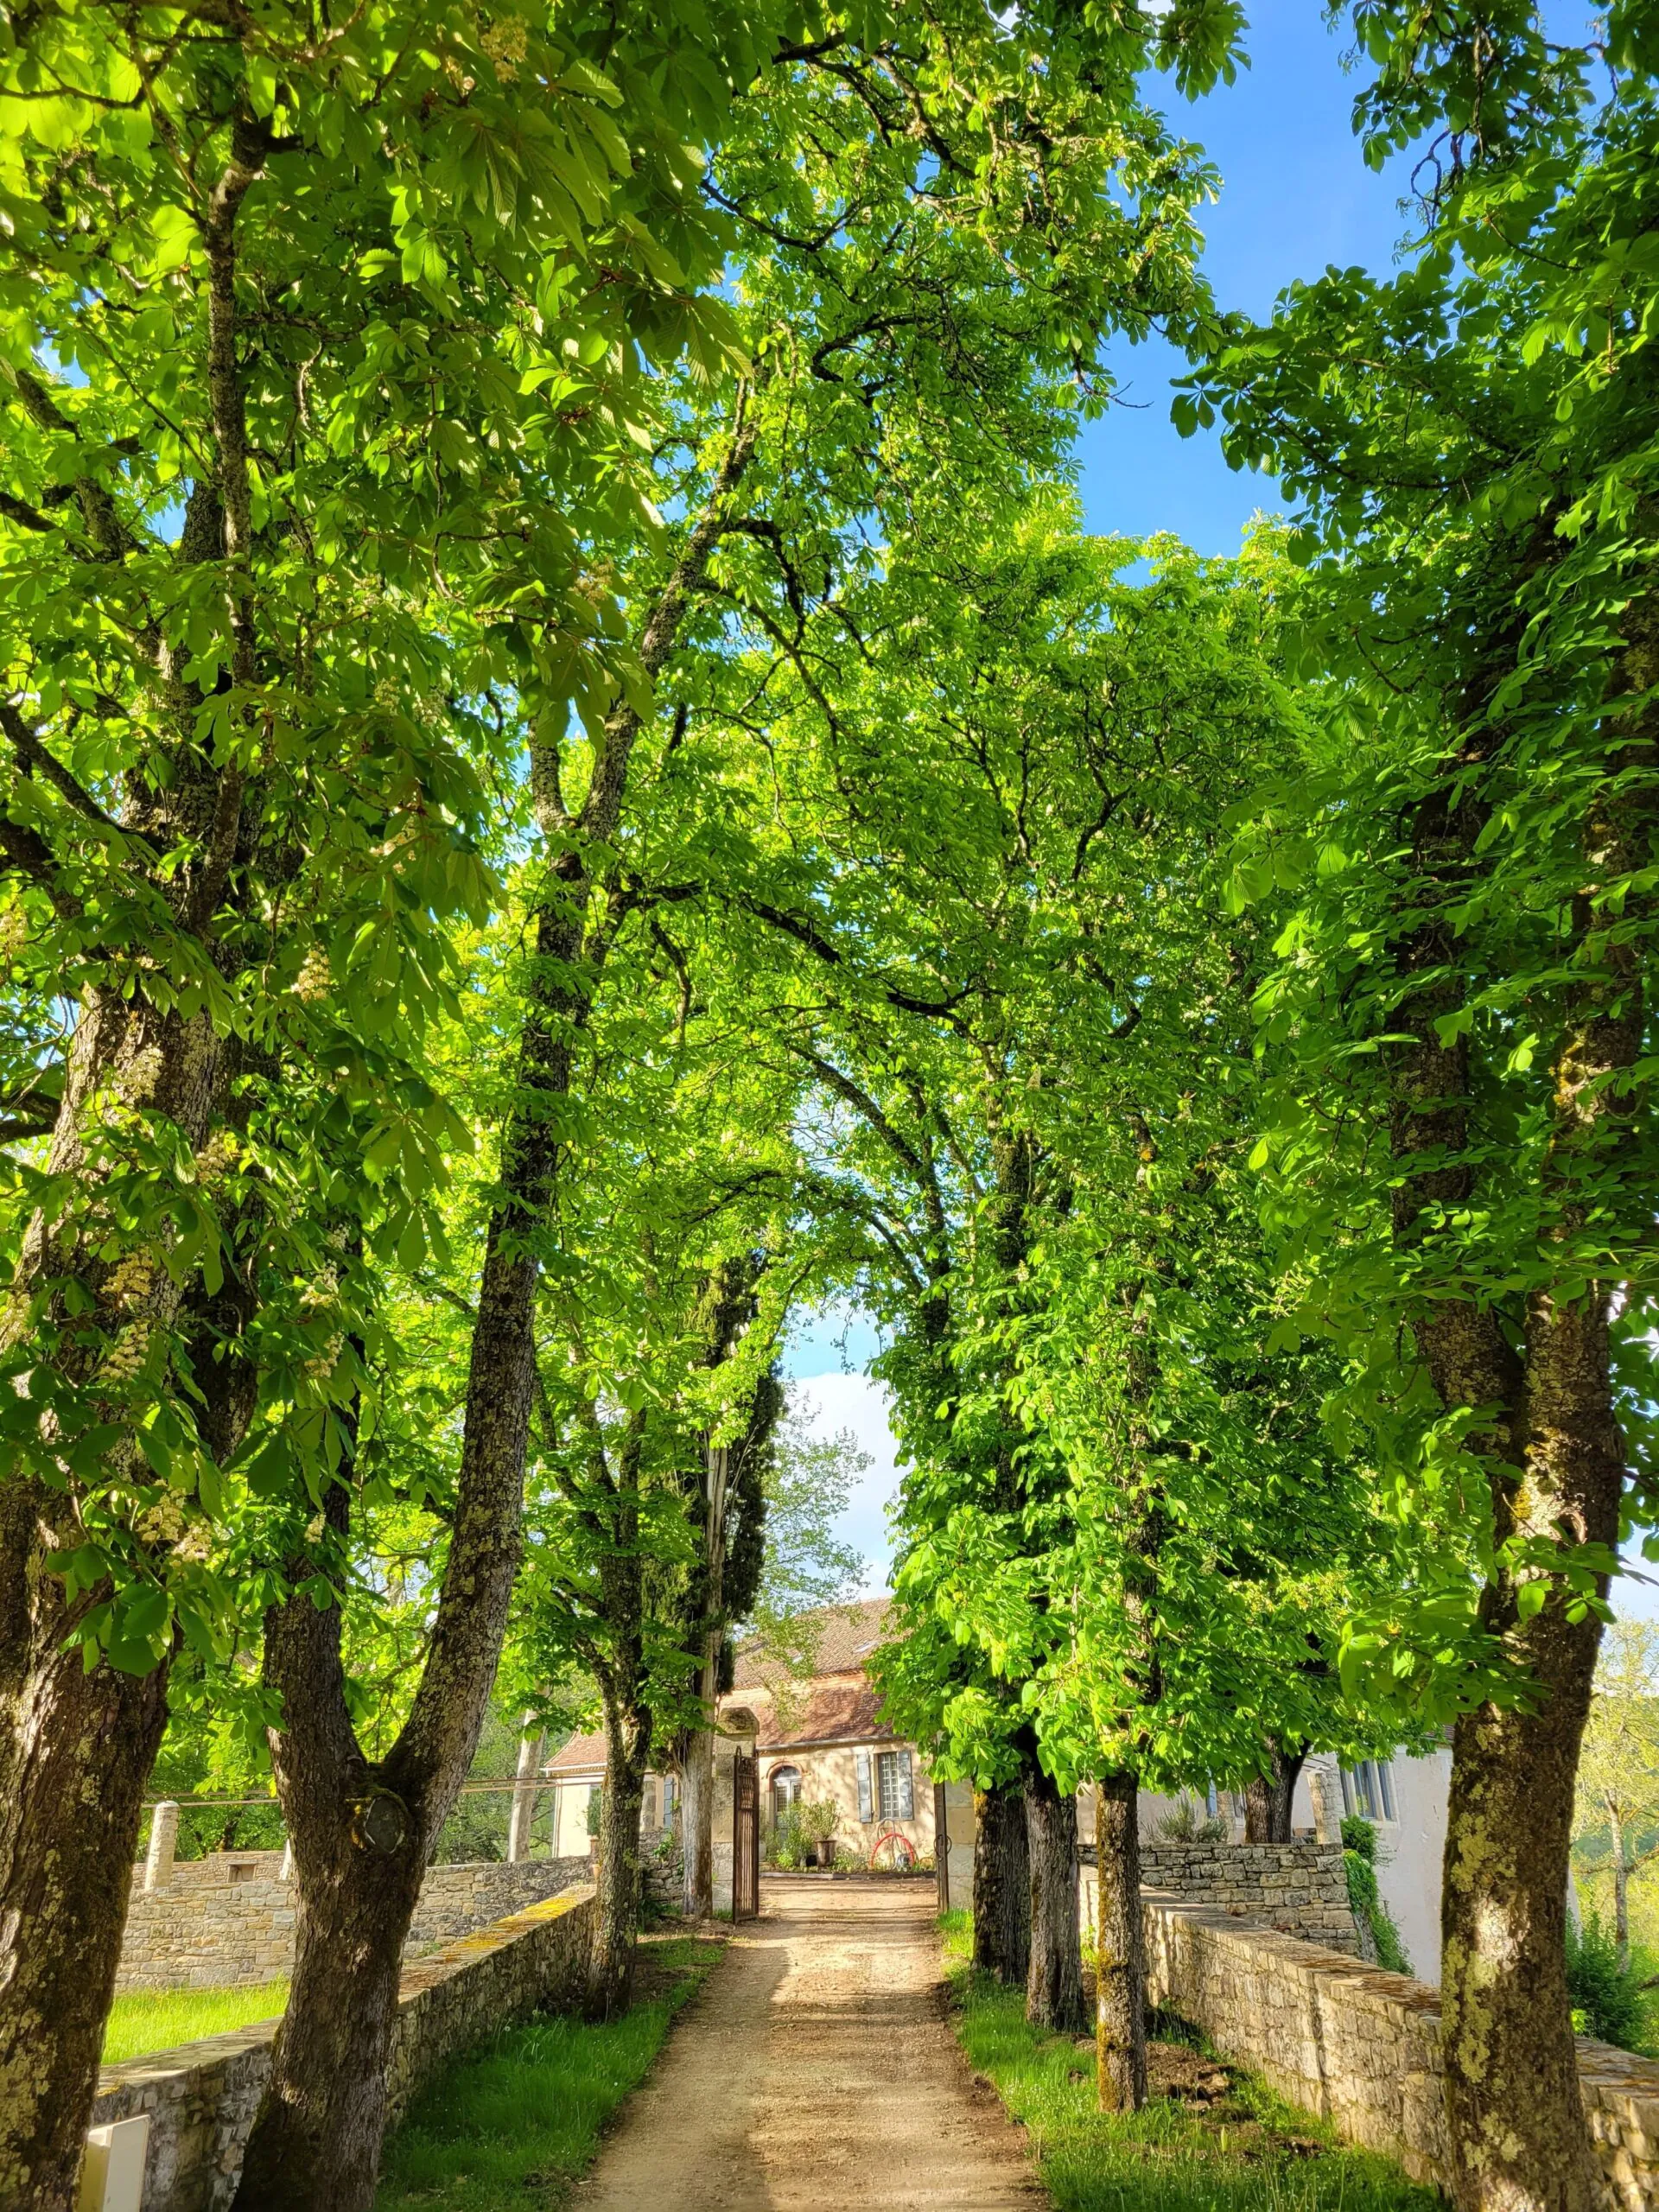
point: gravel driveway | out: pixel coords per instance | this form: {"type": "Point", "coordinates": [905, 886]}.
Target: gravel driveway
{"type": "Point", "coordinates": [817, 2069]}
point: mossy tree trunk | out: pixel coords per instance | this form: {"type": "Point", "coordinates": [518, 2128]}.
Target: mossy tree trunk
{"type": "Point", "coordinates": [1002, 1886]}
{"type": "Point", "coordinates": [1120, 1949]}
{"type": "Point", "coordinates": [616, 1919]}
{"type": "Point", "coordinates": [1548, 1436]}
{"type": "Point", "coordinates": [69, 1822]}
{"type": "Point", "coordinates": [1054, 1979]}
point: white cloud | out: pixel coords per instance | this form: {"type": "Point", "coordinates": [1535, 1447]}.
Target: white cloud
{"type": "Point", "coordinates": [834, 1401]}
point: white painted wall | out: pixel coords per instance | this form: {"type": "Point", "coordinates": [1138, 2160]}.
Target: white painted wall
{"type": "Point", "coordinates": [1409, 1856]}
{"type": "Point", "coordinates": [1410, 1850]}
{"type": "Point", "coordinates": [570, 1836]}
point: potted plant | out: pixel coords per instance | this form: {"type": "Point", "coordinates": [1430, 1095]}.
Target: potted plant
{"type": "Point", "coordinates": [817, 1821]}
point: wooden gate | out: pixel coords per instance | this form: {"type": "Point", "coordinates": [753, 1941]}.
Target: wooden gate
{"type": "Point", "coordinates": [746, 1838]}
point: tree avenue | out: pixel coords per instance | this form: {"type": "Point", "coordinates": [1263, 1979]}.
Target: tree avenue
{"type": "Point", "coordinates": [572, 785]}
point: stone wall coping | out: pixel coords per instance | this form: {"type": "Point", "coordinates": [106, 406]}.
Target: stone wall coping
{"type": "Point", "coordinates": [440, 1966]}
{"type": "Point", "coordinates": [154, 2070]}
{"type": "Point", "coordinates": [157, 2070]}
{"type": "Point", "coordinates": [1371, 1986]}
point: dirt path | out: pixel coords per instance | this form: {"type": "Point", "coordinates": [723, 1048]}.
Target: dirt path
{"type": "Point", "coordinates": [817, 2069]}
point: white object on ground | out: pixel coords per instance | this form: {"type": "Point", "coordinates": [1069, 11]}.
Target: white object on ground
{"type": "Point", "coordinates": [113, 2172]}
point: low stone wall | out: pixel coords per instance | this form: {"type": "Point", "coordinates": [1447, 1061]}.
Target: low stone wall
{"type": "Point", "coordinates": [202, 2099]}
{"type": "Point", "coordinates": [227, 1921]}
{"type": "Point", "coordinates": [1361, 2048]}
{"type": "Point", "coordinates": [1300, 1888]}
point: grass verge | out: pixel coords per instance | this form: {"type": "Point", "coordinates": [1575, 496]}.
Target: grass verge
{"type": "Point", "coordinates": [159, 2019]}
{"type": "Point", "coordinates": [1210, 2139]}
{"type": "Point", "coordinates": [526, 2112]}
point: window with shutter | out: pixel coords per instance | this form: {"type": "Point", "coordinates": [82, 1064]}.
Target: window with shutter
{"type": "Point", "coordinates": [865, 1796]}
{"type": "Point", "coordinates": [907, 1791]}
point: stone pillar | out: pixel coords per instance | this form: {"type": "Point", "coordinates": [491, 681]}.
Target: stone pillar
{"type": "Point", "coordinates": [163, 1843]}
{"type": "Point", "coordinates": [1325, 1789]}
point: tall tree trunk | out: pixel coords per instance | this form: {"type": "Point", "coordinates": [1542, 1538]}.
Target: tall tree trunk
{"type": "Point", "coordinates": [1269, 1798]}
{"type": "Point", "coordinates": [1621, 1883]}
{"type": "Point", "coordinates": [321, 2147]}
{"type": "Point", "coordinates": [1054, 1980]}
{"type": "Point", "coordinates": [1001, 1884]}
{"type": "Point", "coordinates": [1519, 2137]}
{"type": "Point", "coordinates": [74, 1756]}
{"type": "Point", "coordinates": [1554, 1457]}
{"type": "Point", "coordinates": [533, 1748]}
{"type": "Point", "coordinates": [697, 1793]}
{"type": "Point", "coordinates": [362, 1833]}
{"type": "Point", "coordinates": [69, 1827]}
{"type": "Point", "coordinates": [614, 1516]}
{"type": "Point", "coordinates": [76, 1748]}
{"type": "Point", "coordinates": [1121, 1949]}
{"type": "Point", "coordinates": [616, 1919]}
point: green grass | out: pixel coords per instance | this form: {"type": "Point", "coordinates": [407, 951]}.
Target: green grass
{"type": "Point", "coordinates": [526, 2112]}
{"type": "Point", "coordinates": [159, 2019]}
{"type": "Point", "coordinates": [1247, 2152]}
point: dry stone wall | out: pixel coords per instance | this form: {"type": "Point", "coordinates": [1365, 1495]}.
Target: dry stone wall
{"type": "Point", "coordinates": [1300, 1888]}
{"type": "Point", "coordinates": [202, 2099]}
{"type": "Point", "coordinates": [227, 1921]}
{"type": "Point", "coordinates": [661, 1866]}
{"type": "Point", "coordinates": [1361, 2048]}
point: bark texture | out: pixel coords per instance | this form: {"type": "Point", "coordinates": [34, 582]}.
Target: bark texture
{"type": "Point", "coordinates": [1002, 1886]}
{"type": "Point", "coordinates": [1553, 1450]}
{"type": "Point", "coordinates": [84, 1744]}
{"type": "Point", "coordinates": [616, 1923]}
{"type": "Point", "coordinates": [76, 1750]}
{"type": "Point", "coordinates": [1269, 1797]}
{"type": "Point", "coordinates": [361, 1834]}
{"type": "Point", "coordinates": [1054, 1979]}
{"type": "Point", "coordinates": [532, 1750]}
{"type": "Point", "coordinates": [1120, 1949]}
{"type": "Point", "coordinates": [617, 1658]}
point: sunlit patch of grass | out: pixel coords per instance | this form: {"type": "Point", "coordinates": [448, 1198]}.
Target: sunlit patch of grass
{"type": "Point", "coordinates": [1247, 2151]}
{"type": "Point", "coordinates": [145, 2020]}
{"type": "Point", "coordinates": [526, 2112]}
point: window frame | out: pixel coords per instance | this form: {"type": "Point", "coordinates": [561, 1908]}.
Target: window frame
{"type": "Point", "coordinates": [893, 1765]}
{"type": "Point", "coordinates": [1368, 1791]}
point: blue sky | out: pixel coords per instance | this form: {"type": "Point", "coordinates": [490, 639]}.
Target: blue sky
{"type": "Point", "coordinates": [1296, 196]}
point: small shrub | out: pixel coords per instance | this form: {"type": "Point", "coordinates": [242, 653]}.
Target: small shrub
{"type": "Point", "coordinates": [1606, 1997]}
{"type": "Point", "coordinates": [1186, 1825]}
{"type": "Point", "coordinates": [817, 1819]}
{"type": "Point", "coordinates": [788, 1848]}
{"type": "Point", "coordinates": [595, 1810]}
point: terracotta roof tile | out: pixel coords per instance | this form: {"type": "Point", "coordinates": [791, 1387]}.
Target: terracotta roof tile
{"type": "Point", "coordinates": [838, 1639]}
{"type": "Point", "coordinates": [579, 1754]}
{"type": "Point", "coordinates": [832, 1712]}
